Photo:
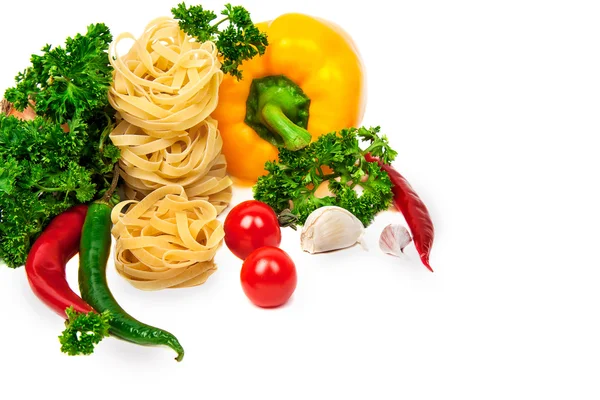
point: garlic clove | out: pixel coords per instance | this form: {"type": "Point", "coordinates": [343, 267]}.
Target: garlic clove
{"type": "Point", "coordinates": [330, 228]}
{"type": "Point", "coordinates": [394, 239]}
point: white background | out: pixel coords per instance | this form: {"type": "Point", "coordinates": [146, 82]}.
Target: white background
{"type": "Point", "coordinates": [493, 107]}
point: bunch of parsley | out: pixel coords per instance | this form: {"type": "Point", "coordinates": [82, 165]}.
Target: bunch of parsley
{"type": "Point", "coordinates": [64, 156]}
{"type": "Point", "coordinates": [83, 331]}
{"type": "Point", "coordinates": [239, 40]}
{"type": "Point", "coordinates": [336, 157]}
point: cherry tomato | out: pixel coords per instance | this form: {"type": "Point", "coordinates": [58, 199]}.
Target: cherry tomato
{"type": "Point", "coordinates": [268, 277]}
{"type": "Point", "coordinates": [250, 225]}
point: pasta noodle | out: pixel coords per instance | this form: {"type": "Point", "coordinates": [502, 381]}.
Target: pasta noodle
{"type": "Point", "coordinates": [193, 161]}
{"type": "Point", "coordinates": [166, 240]}
{"type": "Point", "coordinates": [175, 177]}
{"type": "Point", "coordinates": [167, 82]}
{"type": "Point", "coordinates": [164, 90]}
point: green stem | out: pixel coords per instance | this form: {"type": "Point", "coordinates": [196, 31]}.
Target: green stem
{"type": "Point", "coordinates": [372, 146]}
{"type": "Point", "coordinates": [294, 137]}
{"type": "Point", "coordinates": [105, 133]}
{"type": "Point", "coordinates": [220, 22]}
{"type": "Point", "coordinates": [277, 109]}
{"type": "Point", "coordinates": [330, 176]}
{"type": "Point", "coordinates": [60, 79]}
{"type": "Point", "coordinates": [45, 189]}
{"type": "Point", "coordinates": [287, 218]}
{"type": "Point", "coordinates": [320, 171]}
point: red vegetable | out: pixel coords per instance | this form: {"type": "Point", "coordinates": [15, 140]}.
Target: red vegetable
{"type": "Point", "coordinates": [268, 277]}
{"type": "Point", "coordinates": [414, 210]}
{"type": "Point", "coordinates": [250, 225]}
{"type": "Point", "coordinates": [47, 260]}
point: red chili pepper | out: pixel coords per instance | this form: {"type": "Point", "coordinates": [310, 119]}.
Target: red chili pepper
{"type": "Point", "coordinates": [47, 260]}
{"type": "Point", "coordinates": [414, 210]}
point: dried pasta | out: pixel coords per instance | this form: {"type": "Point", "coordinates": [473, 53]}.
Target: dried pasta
{"type": "Point", "coordinates": [167, 82]}
{"type": "Point", "coordinates": [164, 90]}
{"type": "Point", "coordinates": [175, 176]}
{"type": "Point", "coordinates": [166, 240]}
{"type": "Point", "coordinates": [193, 161]}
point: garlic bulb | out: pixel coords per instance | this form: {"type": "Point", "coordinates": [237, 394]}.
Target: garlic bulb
{"type": "Point", "coordinates": [393, 239]}
{"type": "Point", "coordinates": [330, 228]}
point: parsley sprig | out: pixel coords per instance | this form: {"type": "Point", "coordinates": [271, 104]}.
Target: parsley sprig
{"type": "Point", "coordinates": [83, 331]}
{"type": "Point", "coordinates": [240, 40]}
{"type": "Point", "coordinates": [294, 178]}
{"type": "Point", "coordinates": [67, 82]}
{"type": "Point", "coordinates": [62, 157]}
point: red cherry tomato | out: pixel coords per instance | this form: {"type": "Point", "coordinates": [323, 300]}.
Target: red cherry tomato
{"type": "Point", "coordinates": [250, 225]}
{"type": "Point", "coordinates": [268, 277]}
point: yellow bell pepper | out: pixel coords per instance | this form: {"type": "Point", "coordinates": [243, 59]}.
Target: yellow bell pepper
{"type": "Point", "coordinates": [309, 82]}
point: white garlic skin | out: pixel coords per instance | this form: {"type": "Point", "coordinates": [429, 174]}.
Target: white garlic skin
{"type": "Point", "coordinates": [330, 228]}
{"type": "Point", "coordinates": [394, 239]}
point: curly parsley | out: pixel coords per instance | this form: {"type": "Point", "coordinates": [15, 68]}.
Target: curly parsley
{"type": "Point", "coordinates": [83, 331]}
{"type": "Point", "coordinates": [62, 157]}
{"type": "Point", "coordinates": [240, 40]}
{"type": "Point", "coordinates": [294, 178]}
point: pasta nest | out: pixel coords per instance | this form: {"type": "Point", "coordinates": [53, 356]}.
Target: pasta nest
{"type": "Point", "coordinates": [168, 82]}
{"type": "Point", "coordinates": [166, 240]}
{"type": "Point", "coordinates": [193, 161]}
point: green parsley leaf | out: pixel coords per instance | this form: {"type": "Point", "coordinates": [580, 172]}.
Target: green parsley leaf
{"type": "Point", "coordinates": [68, 81]}
{"type": "Point", "coordinates": [293, 179]}
{"type": "Point", "coordinates": [83, 331]}
{"type": "Point", "coordinates": [43, 169]}
{"type": "Point", "coordinates": [240, 40]}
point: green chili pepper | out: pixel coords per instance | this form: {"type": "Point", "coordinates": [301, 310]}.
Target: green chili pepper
{"type": "Point", "coordinates": [93, 256]}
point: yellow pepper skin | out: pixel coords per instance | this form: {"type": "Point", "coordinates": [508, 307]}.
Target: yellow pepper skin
{"type": "Point", "coordinates": [316, 55]}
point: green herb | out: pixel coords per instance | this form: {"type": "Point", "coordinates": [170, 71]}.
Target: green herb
{"type": "Point", "coordinates": [240, 40]}
{"type": "Point", "coordinates": [43, 170]}
{"type": "Point", "coordinates": [293, 179]}
{"type": "Point", "coordinates": [83, 331]}
{"type": "Point", "coordinates": [66, 82]}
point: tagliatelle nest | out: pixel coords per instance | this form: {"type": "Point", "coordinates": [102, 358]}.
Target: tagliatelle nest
{"type": "Point", "coordinates": [193, 161]}
{"type": "Point", "coordinates": [164, 90]}
{"type": "Point", "coordinates": [166, 240]}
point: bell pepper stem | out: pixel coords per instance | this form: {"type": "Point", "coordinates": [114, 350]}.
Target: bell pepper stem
{"type": "Point", "coordinates": [293, 136]}
{"type": "Point", "coordinates": [277, 109]}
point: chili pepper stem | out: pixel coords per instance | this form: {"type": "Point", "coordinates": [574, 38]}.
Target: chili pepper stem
{"type": "Point", "coordinates": [113, 186]}
{"type": "Point", "coordinates": [294, 137]}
